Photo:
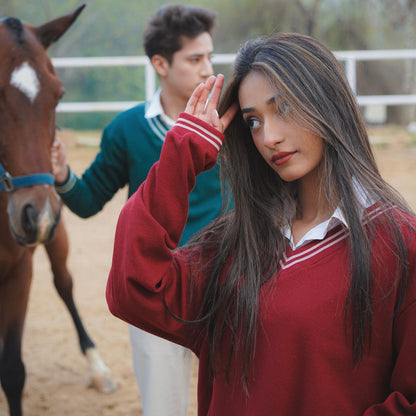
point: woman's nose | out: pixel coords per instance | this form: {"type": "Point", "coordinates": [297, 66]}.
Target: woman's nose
{"type": "Point", "coordinates": [272, 135]}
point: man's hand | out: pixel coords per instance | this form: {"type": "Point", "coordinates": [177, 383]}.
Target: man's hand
{"type": "Point", "coordinates": [60, 168]}
{"type": "Point", "coordinates": [204, 106]}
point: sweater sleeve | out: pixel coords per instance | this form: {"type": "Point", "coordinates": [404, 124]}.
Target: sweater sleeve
{"type": "Point", "coordinates": [107, 174]}
{"type": "Point", "coordinates": [149, 281]}
{"type": "Point", "coordinates": [402, 398]}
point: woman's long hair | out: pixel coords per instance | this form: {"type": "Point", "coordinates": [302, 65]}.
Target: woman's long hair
{"type": "Point", "coordinates": [248, 241]}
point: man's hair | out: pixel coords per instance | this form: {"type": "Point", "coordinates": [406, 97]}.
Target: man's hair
{"type": "Point", "coordinates": [164, 31]}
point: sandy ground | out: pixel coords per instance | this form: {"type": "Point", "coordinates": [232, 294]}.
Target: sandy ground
{"type": "Point", "coordinates": [57, 379]}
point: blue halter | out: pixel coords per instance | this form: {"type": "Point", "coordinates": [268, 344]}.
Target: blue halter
{"type": "Point", "coordinates": [9, 183]}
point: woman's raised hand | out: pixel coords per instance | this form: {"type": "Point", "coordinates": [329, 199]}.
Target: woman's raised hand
{"type": "Point", "coordinates": [204, 106]}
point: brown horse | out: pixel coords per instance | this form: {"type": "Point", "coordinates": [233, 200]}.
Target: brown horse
{"type": "Point", "coordinates": [29, 207]}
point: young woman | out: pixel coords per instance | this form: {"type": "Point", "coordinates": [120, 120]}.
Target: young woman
{"type": "Point", "coordinates": [302, 299]}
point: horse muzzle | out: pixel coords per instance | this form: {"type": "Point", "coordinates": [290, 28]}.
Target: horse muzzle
{"type": "Point", "coordinates": [33, 213]}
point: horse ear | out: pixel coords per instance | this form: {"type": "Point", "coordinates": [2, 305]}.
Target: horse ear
{"type": "Point", "coordinates": [50, 32]}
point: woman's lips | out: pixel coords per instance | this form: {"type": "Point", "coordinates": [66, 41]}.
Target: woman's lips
{"type": "Point", "coordinates": [282, 157]}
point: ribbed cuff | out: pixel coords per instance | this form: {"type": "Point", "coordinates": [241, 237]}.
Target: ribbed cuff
{"type": "Point", "coordinates": [67, 185]}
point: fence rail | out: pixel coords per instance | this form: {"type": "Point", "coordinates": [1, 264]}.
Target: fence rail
{"type": "Point", "coordinates": [350, 58]}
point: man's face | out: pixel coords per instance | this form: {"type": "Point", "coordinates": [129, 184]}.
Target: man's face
{"type": "Point", "coordinates": [190, 66]}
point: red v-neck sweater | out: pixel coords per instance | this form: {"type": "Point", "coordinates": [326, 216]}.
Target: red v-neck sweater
{"type": "Point", "coordinates": [303, 362]}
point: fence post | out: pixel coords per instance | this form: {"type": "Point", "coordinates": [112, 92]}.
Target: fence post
{"type": "Point", "coordinates": [350, 72]}
{"type": "Point", "coordinates": [150, 80]}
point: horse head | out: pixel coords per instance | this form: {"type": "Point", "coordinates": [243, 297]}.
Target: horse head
{"type": "Point", "coordinates": [29, 93]}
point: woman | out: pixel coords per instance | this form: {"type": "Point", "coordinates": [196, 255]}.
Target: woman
{"type": "Point", "coordinates": [302, 299]}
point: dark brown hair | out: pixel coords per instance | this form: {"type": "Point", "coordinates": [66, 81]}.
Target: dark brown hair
{"type": "Point", "coordinates": [165, 30]}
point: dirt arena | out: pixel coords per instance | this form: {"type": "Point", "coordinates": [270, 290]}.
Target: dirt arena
{"type": "Point", "coordinates": [57, 380]}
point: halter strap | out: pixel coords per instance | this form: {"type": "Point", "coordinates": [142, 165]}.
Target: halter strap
{"type": "Point", "coordinates": [9, 183]}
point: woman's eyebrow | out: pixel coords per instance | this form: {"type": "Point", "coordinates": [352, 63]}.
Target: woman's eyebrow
{"type": "Point", "coordinates": [271, 100]}
{"type": "Point", "coordinates": [247, 110]}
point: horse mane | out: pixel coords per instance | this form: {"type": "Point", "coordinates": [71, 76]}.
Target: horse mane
{"type": "Point", "coordinates": [15, 26]}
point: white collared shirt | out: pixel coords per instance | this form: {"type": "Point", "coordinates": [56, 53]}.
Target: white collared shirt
{"type": "Point", "coordinates": [154, 108]}
{"type": "Point", "coordinates": [321, 230]}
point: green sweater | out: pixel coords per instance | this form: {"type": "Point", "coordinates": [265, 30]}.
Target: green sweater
{"type": "Point", "coordinates": [130, 145]}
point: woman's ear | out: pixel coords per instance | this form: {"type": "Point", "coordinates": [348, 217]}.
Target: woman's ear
{"type": "Point", "coordinates": [160, 65]}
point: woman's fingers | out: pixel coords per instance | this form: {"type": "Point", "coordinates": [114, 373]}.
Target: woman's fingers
{"type": "Point", "coordinates": [214, 99]}
{"type": "Point", "coordinates": [193, 100]}
{"type": "Point", "coordinates": [204, 101]}
{"type": "Point", "coordinates": [228, 116]}
{"type": "Point", "coordinates": [197, 102]}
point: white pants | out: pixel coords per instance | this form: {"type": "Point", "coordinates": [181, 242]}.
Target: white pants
{"type": "Point", "coordinates": [163, 373]}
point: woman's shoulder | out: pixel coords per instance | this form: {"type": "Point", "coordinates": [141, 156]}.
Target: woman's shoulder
{"type": "Point", "coordinates": [381, 212]}
{"type": "Point", "coordinates": [388, 222]}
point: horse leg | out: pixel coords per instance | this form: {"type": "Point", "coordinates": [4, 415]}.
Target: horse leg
{"type": "Point", "coordinates": [13, 301]}
{"type": "Point", "coordinates": [12, 370]}
{"type": "Point", "coordinates": [57, 251]}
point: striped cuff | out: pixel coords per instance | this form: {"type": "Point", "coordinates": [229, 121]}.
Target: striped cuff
{"type": "Point", "coordinates": [66, 186]}
{"type": "Point", "coordinates": [206, 134]}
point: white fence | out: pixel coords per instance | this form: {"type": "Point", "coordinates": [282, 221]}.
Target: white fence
{"type": "Point", "coordinates": [349, 57]}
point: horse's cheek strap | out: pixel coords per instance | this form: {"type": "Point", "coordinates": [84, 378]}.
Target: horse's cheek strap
{"type": "Point", "coordinates": [9, 184]}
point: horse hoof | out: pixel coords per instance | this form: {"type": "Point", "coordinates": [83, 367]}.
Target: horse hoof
{"type": "Point", "coordinates": [102, 384]}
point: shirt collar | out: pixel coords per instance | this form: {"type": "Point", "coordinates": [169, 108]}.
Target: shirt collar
{"type": "Point", "coordinates": [154, 108]}
{"type": "Point", "coordinates": [321, 230]}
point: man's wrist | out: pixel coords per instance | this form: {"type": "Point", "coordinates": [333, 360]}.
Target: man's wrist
{"type": "Point", "coordinates": [67, 184]}
{"type": "Point", "coordinates": [62, 177]}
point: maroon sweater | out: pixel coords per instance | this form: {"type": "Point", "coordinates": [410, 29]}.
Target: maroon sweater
{"type": "Point", "coordinates": [303, 362]}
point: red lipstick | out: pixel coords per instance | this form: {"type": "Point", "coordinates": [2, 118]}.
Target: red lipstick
{"type": "Point", "coordinates": [282, 157]}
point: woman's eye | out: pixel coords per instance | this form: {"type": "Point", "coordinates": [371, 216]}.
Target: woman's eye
{"type": "Point", "coordinates": [252, 123]}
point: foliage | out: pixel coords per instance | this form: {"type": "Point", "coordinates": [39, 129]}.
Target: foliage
{"type": "Point", "coordinates": [108, 28]}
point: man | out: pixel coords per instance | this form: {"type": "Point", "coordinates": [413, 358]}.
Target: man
{"type": "Point", "coordinates": [178, 42]}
